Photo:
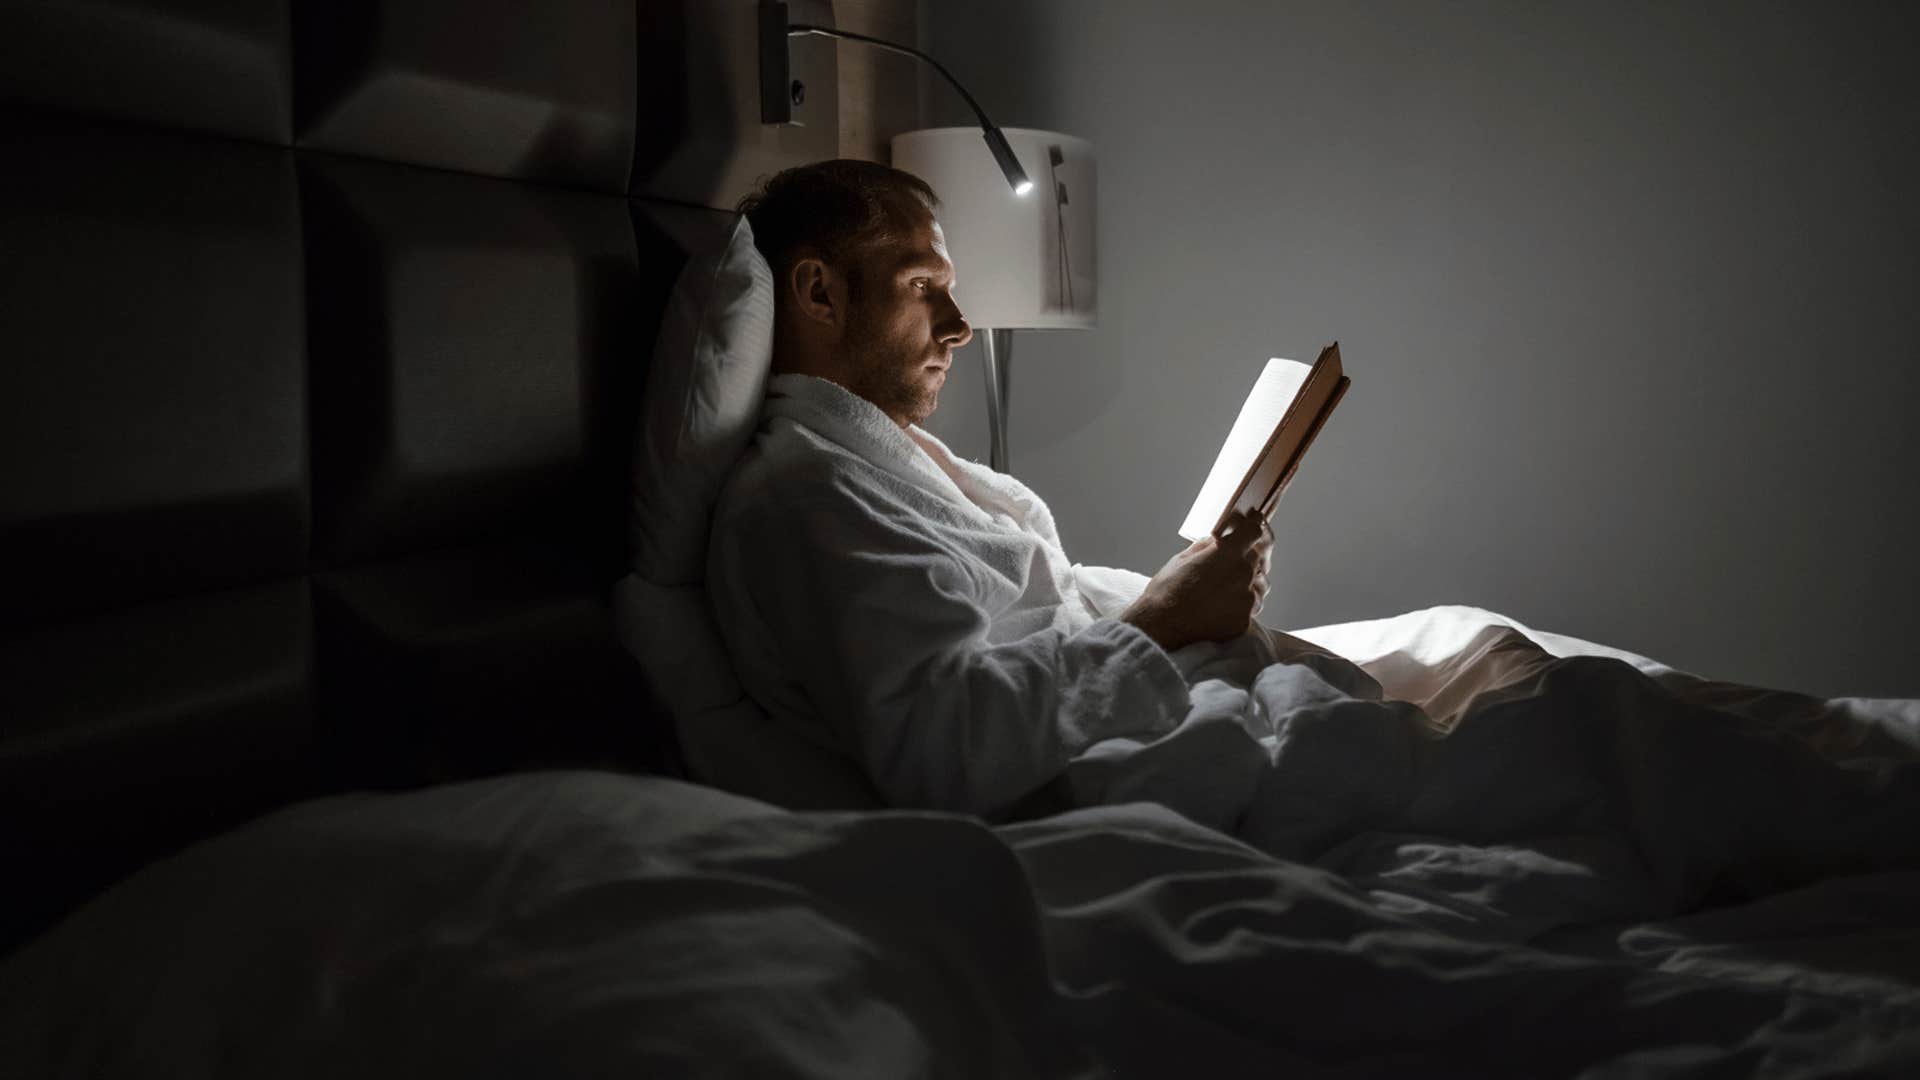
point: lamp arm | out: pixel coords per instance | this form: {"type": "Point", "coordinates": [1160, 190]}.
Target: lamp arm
{"type": "Point", "coordinates": [798, 29]}
{"type": "Point", "coordinates": [996, 141]}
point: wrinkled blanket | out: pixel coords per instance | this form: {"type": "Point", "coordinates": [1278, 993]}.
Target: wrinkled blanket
{"type": "Point", "coordinates": [1604, 868]}
{"type": "Point", "coordinates": [1499, 785]}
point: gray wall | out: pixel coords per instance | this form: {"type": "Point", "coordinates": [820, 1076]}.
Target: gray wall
{"type": "Point", "coordinates": [1627, 295]}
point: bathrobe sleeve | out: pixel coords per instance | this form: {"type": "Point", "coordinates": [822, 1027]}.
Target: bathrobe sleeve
{"type": "Point", "coordinates": [1108, 590]}
{"type": "Point", "coordinates": [886, 634]}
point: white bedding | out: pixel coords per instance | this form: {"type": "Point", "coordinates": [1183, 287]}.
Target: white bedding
{"type": "Point", "coordinates": [576, 924]}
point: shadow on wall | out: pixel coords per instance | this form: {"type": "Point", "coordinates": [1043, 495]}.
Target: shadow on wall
{"type": "Point", "coordinates": [668, 59]}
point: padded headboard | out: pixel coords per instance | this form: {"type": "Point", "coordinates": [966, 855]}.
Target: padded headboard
{"type": "Point", "coordinates": [324, 328]}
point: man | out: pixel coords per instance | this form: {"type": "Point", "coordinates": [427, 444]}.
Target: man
{"type": "Point", "coordinates": [912, 611]}
{"type": "Point", "coordinates": [917, 614]}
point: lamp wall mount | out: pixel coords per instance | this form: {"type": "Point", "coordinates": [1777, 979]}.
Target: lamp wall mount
{"type": "Point", "coordinates": [783, 84]}
{"type": "Point", "coordinates": [781, 94]}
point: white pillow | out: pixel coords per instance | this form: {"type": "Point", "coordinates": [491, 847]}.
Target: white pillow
{"type": "Point", "coordinates": [705, 388]}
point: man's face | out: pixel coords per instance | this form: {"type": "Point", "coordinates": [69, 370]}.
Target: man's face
{"type": "Point", "coordinates": [903, 328]}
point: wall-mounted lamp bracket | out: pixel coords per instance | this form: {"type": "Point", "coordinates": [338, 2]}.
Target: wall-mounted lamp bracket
{"type": "Point", "coordinates": [781, 93]}
{"type": "Point", "coordinates": [783, 85]}
{"type": "Point", "coordinates": [776, 106]}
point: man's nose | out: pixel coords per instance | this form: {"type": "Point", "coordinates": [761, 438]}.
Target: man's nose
{"type": "Point", "coordinates": [954, 331]}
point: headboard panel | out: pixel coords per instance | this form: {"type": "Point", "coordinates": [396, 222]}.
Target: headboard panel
{"type": "Point", "coordinates": [155, 384]}
{"type": "Point", "coordinates": [325, 328]}
{"type": "Point", "coordinates": [218, 67]}
{"type": "Point", "coordinates": [467, 335]}
{"type": "Point", "coordinates": [503, 88]}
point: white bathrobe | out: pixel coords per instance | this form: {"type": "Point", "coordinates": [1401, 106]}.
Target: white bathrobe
{"type": "Point", "coordinates": [917, 613]}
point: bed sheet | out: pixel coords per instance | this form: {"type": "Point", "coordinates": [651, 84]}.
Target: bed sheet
{"type": "Point", "coordinates": [525, 927]}
{"type": "Point", "coordinates": [580, 924]}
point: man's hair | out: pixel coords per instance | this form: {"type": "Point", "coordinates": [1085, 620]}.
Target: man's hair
{"type": "Point", "coordinates": [835, 210]}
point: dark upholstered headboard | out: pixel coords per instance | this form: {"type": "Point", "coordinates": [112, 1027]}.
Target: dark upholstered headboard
{"type": "Point", "coordinates": [324, 326]}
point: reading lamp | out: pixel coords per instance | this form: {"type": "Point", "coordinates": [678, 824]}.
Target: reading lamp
{"type": "Point", "coordinates": [1023, 263]}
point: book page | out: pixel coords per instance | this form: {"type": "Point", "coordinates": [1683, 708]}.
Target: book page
{"type": "Point", "coordinates": [1279, 381]}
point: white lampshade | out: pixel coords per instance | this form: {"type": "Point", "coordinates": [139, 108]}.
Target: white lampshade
{"type": "Point", "coordinates": [1020, 261]}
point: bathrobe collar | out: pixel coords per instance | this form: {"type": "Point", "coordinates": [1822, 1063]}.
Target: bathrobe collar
{"type": "Point", "coordinates": [858, 426]}
{"type": "Point", "coordinates": [913, 454]}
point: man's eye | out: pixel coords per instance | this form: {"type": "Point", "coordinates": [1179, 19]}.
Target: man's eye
{"type": "Point", "coordinates": [922, 283]}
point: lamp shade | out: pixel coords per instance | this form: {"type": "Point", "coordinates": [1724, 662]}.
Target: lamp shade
{"type": "Point", "coordinates": [1020, 261]}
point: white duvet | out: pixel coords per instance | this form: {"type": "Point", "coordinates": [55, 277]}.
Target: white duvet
{"type": "Point", "coordinates": [1572, 898]}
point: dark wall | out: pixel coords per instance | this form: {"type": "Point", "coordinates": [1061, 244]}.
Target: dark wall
{"type": "Point", "coordinates": [325, 326]}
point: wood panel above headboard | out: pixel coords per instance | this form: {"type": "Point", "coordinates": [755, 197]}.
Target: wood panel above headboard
{"type": "Point", "coordinates": [701, 140]}
{"type": "Point", "coordinates": [879, 95]}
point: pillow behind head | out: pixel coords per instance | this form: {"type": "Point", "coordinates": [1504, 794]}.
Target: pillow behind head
{"type": "Point", "coordinates": [703, 397]}
{"type": "Point", "coordinates": [704, 393]}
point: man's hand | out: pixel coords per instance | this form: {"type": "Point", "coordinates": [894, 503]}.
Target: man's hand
{"type": "Point", "coordinates": [1210, 591]}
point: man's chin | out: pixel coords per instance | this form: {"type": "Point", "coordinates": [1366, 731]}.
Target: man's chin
{"type": "Point", "coordinates": [929, 402]}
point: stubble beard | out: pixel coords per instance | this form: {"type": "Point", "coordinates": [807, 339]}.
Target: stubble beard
{"type": "Point", "coordinates": [883, 376]}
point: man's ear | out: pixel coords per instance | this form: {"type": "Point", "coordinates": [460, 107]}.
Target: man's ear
{"type": "Point", "coordinates": [818, 293]}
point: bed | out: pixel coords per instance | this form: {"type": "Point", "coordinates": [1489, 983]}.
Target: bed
{"type": "Point", "coordinates": [587, 922]}
{"type": "Point", "coordinates": [329, 332]}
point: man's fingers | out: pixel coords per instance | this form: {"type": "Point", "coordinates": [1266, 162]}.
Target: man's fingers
{"type": "Point", "coordinates": [1263, 546]}
{"type": "Point", "coordinates": [1243, 528]}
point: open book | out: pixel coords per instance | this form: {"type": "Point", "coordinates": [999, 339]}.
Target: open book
{"type": "Point", "coordinates": [1286, 408]}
